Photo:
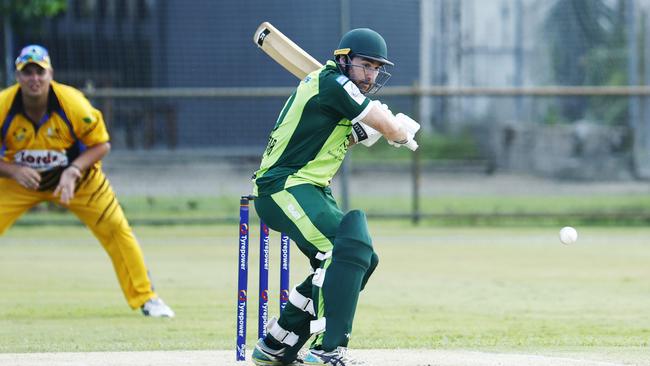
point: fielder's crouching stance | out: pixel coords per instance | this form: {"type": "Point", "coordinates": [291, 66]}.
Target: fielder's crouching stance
{"type": "Point", "coordinates": [52, 143]}
{"type": "Point", "coordinates": [325, 115]}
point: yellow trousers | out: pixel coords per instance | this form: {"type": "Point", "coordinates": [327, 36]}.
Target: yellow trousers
{"type": "Point", "coordinates": [96, 206]}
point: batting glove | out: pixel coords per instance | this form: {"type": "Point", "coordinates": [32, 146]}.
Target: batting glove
{"type": "Point", "coordinates": [411, 128]}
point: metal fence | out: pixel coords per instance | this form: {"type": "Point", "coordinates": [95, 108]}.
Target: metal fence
{"type": "Point", "coordinates": [547, 88]}
{"type": "Point", "coordinates": [142, 118]}
{"type": "Point", "coordinates": [148, 162]}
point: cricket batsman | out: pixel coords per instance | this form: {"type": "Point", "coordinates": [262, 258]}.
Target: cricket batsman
{"type": "Point", "coordinates": [328, 112]}
{"type": "Point", "coordinates": [52, 142]}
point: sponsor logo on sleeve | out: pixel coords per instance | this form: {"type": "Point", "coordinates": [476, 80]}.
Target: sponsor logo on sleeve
{"type": "Point", "coordinates": [354, 92]}
{"type": "Point", "coordinates": [360, 131]}
{"type": "Point", "coordinates": [270, 145]}
{"type": "Point", "coordinates": [338, 153]}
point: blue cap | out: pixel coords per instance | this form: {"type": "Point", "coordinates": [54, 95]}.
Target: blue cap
{"type": "Point", "coordinates": [33, 54]}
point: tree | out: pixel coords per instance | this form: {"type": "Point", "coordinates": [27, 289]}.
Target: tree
{"type": "Point", "coordinates": [587, 40]}
{"type": "Point", "coordinates": [20, 14]}
{"type": "Point", "coordinates": [22, 11]}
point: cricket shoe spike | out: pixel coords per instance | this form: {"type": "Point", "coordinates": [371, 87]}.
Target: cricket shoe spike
{"type": "Point", "coordinates": [156, 308]}
{"type": "Point", "coordinates": [263, 355]}
{"type": "Point", "coordinates": [339, 357]}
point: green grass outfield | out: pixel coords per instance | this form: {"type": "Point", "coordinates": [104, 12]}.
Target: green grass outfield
{"type": "Point", "coordinates": [490, 289]}
{"type": "Point", "coordinates": [488, 210]}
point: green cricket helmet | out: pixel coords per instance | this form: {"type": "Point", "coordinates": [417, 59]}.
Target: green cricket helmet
{"type": "Point", "coordinates": [366, 43]}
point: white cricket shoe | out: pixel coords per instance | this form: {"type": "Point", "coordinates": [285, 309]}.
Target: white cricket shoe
{"type": "Point", "coordinates": [263, 355]}
{"type": "Point", "coordinates": [156, 308]}
{"type": "Point", "coordinates": [339, 357]}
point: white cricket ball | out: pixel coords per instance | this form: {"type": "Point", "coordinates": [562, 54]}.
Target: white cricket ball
{"type": "Point", "coordinates": [568, 235]}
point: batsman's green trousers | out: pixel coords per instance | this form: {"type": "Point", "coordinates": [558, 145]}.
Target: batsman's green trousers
{"type": "Point", "coordinates": [309, 215]}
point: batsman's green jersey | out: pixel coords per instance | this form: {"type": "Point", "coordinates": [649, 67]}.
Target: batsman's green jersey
{"type": "Point", "coordinates": [310, 137]}
{"type": "Point", "coordinates": [305, 150]}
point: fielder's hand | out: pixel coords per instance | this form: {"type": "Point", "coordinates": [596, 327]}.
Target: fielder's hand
{"type": "Point", "coordinates": [26, 177]}
{"type": "Point", "coordinates": [67, 183]}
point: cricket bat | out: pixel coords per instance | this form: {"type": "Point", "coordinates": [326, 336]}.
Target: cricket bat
{"type": "Point", "coordinates": [281, 49]}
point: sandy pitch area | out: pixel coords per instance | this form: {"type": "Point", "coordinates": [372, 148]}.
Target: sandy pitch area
{"type": "Point", "coordinates": [226, 358]}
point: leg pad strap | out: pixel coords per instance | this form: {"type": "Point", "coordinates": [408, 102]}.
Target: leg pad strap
{"type": "Point", "coordinates": [280, 334]}
{"type": "Point", "coordinates": [323, 256]}
{"type": "Point", "coordinates": [317, 326]}
{"type": "Point", "coordinates": [301, 302]}
{"type": "Point", "coordinates": [319, 277]}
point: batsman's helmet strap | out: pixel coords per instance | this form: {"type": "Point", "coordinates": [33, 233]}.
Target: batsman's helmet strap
{"type": "Point", "coordinates": [366, 43]}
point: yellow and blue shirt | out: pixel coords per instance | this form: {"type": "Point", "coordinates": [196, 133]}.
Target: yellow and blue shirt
{"type": "Point", "coordinates": [70, 125]}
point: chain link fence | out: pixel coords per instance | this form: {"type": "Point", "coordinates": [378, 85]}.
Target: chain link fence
{"type": "Point", "coordinates": [554, 89]}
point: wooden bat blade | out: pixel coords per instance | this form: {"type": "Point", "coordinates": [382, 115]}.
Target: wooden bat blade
{"type": "Point", "coordinates": [281, 49]}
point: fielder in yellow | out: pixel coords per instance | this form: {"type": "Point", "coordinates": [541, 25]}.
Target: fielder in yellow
{"type": "Point", "coordinates": [52, 142]}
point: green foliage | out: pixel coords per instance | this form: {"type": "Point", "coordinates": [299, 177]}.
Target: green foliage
{"type": "Point", "coordinates": [574, 28]}
{"type": "Point", "coordinates": [553, 116]}
{"type": "Point", "coordinates": [432, 147]}
{"type": "Point", "coordinates": [607, 66]}
{"type": "Point", "coordinates": [461, 146]}
{"type": "Point", "coordinates": [486, 210]}
{"type": "Point", "coordinates": [587, 40]}
{"type": "Point", "coordinates": [548, 211]}
{"type": "Point", "coordinates": [24, 12]}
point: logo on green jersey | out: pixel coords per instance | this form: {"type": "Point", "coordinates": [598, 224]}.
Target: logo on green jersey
{"type": "Point", "coordinates": [339, 152]}
{"type": "Point", "coordinates": [270, 146]}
